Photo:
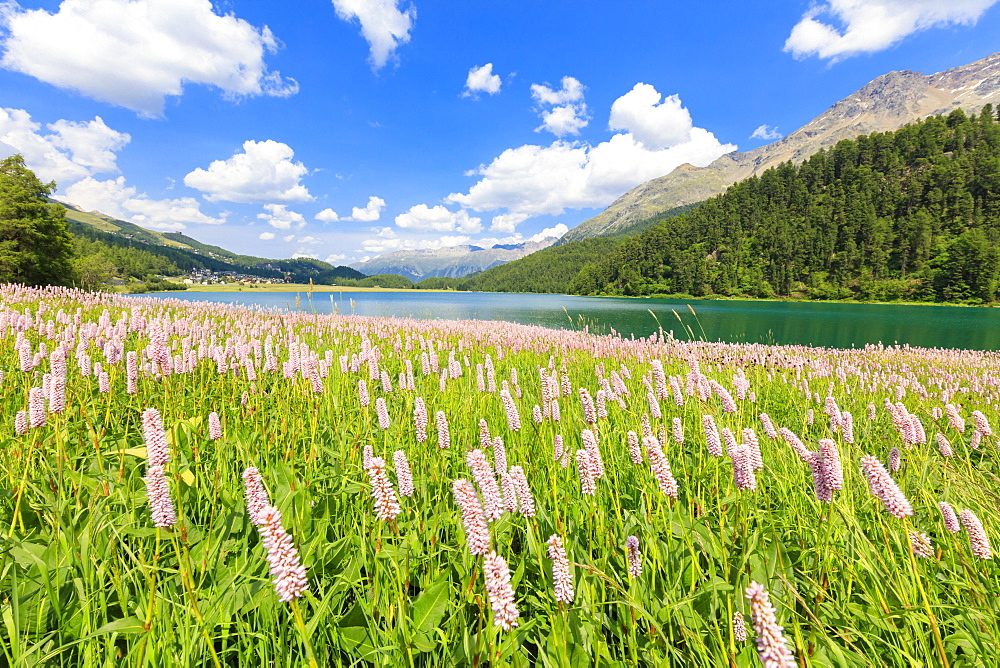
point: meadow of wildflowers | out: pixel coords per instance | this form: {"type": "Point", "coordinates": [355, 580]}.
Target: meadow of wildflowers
{"type": "Point", "coordinates": [196, 484]}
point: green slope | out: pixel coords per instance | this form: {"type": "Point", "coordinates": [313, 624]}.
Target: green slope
{"type": "Point", "coordinates": [912, 214]}
{"type": "Point", "coordinates": [551, 269]}
{"type": "Point", "coordinates": [184, 253]}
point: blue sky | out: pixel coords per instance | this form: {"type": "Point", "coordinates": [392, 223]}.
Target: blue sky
{"type": "Point", "coordinates": [343, 129]}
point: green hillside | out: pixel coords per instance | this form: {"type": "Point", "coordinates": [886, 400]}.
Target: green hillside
{"type": "Point", "coordinates": [551, 269]}
{"type": "Point", "coordinates": [912, 214]}
{"type": "Point", "coordinates": [115, 226]}
{"type": "Point", "coordinates": [110, 248]}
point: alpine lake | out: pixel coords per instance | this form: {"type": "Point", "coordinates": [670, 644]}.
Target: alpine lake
{"type": "Point", "coordinates": [833, 325]}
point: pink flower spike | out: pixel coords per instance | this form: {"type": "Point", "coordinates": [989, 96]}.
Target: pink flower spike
{"type": "Point", "coordinates": [951, 522]}
{"type": "Point", "coordinates": [214, 426]}
{"type": "Point", "coordinates": [501, 594]}
{"type": "Point", "coordinates": [477, 533]}
{"type": "Point", "coordinates": [287, 572]}
{"type": "Point", "coordinates": [386, 504]}
{"type": "Point", "coordinates": [525, 499]}
{"type": "Point", "coordinates": [772, 648]}
{"type": "Point", "coordinates": [161, 506]}
{"type": "Point", "coordinates": [884, 487]}
{"type": "Point", "coordinates": [256, 496]}
{"type": "Point", "coordinates": [404, 478]}
{"type": "Point", "coordinates": [978, 540]}
{"type": "Point", "coordinates": [157, 450]}
{"type": "Point", "coordinates": [634, 557]}
{"type": "Point", "coordinates": [562, 582]}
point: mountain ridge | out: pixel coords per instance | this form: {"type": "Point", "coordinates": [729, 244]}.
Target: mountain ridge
{"type": "Point", "coordinates": [448, 262]}
{"type": "Point", "coordinates": [888, 102]}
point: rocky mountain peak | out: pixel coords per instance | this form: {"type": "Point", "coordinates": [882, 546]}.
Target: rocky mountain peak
{"type": "Point", "coordinates": [888, 102]}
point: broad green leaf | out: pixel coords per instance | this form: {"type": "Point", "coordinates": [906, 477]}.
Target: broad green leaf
{"type": "Point", "coordinates": [125, 625]}
{"type": "Point", "coordinates": [430, 606]}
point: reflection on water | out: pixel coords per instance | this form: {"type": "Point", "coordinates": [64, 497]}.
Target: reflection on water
{"type": "Point", "coordinates": [833, 325]}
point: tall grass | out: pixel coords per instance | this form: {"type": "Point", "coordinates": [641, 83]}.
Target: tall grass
{"type": "Point", "coordinates": [87, 580]}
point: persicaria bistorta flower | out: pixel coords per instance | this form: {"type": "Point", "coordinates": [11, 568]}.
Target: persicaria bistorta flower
{"type": "Point", "coordinates": [482, 473]}
{"type": "Point", "coordinates": [420, 419]}
{"type": "Point", "coordinates": [363, 392]}
{"type": "Point", "coordinates": [501, 594]}
{"type": "Point", "coordinates": [739, 627]}
{"type": "Point", "coordinates": [743, 473]}
{"type": "Point", "coordinates": [525, 499]}
{"type": "Point", "coordinates": [712, 439]}
{"type": "Point", "coordinates": [161, 506]}
{"type": "Point", "coordinates": [633, 448]}
{"type": "Point", "coordinates": [214, 426]}
{"type": "Point", "coordinates": [982, 424]}
{"type": "Point", "coordinates": [477, 533]}
{"type": "Point", "coordinates": [885, 488]}
{"type": "Point", "coordinates": [772, 648]}
{"type": "Point", "coordinates": [382, 411]}
{"type": "Point", "coordinates": [20, 423]}
{"type": "Point", "coordinates": [510, 408]}
{"type": "Point", "coordinates": [36, 407]}
{"type": "Point", "coordinates": [920, 544]}
{"type": "Point", "coordinates": [386, 504]}
{"type": "Point", "coordinates": [978, 540]}
{"type": "Point", "coordinates": [404, 477]}
{"type": "Point", "coordinates": [589, 439]}
{"type": "Point", "coordinates": [157, 451]}
{"type": "Point", "coordinates": [944, 445]}
{"type": "Point", "coordinates": [587, 403]}
{"type": "Point", "coordinates": [444, 435]}
{"type": "Point", "coordinates": [951, 522]}
{"type": "Point", "coordinates": [769, 430]}
{"type": "Point", "coordinates": [287, 572]}
{"type": "Point", "coordinates": [634, 557]}
{"type": "Point", "coordinates": [586, 469]}
{"type": "Point", "coordinates": [562, 582]}
{"type": "Point", "coordinates": [256, 496]}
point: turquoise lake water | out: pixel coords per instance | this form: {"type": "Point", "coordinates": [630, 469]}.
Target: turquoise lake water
{"type": "Point", "coordinates": [816, 324]}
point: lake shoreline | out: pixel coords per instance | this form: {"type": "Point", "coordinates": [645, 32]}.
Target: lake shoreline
{"type": "Point", "coordinates": [327, 289]}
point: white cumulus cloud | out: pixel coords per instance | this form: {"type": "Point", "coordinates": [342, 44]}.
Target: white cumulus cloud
{"type": "Point", "coordinates": [867, 26]}
{"type": "Point", "coordinates": [556, 231]}
{"type": "Point", "coordinates": [264, 172]}
{"type": "Point", "coordinates": [279, 217]}
{"type": "Point", "coordinates": [69, 152]}
{"type": "Point", "coordinates": [482, 80]}
{"type": "Point", "coordinates": [383, 25]}
{"type": "Point", "coordinates": [385, 242]}
{"type": "Point", "coordinates": [563, 110]}
{"type": "Point", "coordinates": [766, 132]}
{"type": "Point", "coordinates": [335, 258]}
{"type": "Point", "coordinates": [266, 236]}
{"type": "Point", "coordinates": [656, 124]}
{"type": "Point", "coordinates": [327, 216]}
{"type": "Point", "coordinates": [533, 180]}
{"type": "Point", "coordinates": [371, 211]}
{"type": "Point", "coordinates": [422, 218]}
{"type": "Point", "coordinates": [135, 53]}
{"type": "Point", "coordinates": [118, 200]}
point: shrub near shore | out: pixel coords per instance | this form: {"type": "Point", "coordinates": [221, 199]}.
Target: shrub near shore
{"type": "Point", "coordinates": [198, 484]}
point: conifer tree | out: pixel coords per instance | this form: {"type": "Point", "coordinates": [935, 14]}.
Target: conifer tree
{"type": "Point", "coordinates": [35, 245]}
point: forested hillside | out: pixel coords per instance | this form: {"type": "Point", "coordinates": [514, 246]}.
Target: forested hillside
{"type": "Point", "coordinates": [549, 270]}
{"type": "Point", "coordinates": [911, 214]}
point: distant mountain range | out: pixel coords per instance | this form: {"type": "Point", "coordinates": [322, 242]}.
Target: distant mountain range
{"type": "Point", "coordinates": [452, 262]}
{"type": "Point", "coordinates": [887, 103]}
